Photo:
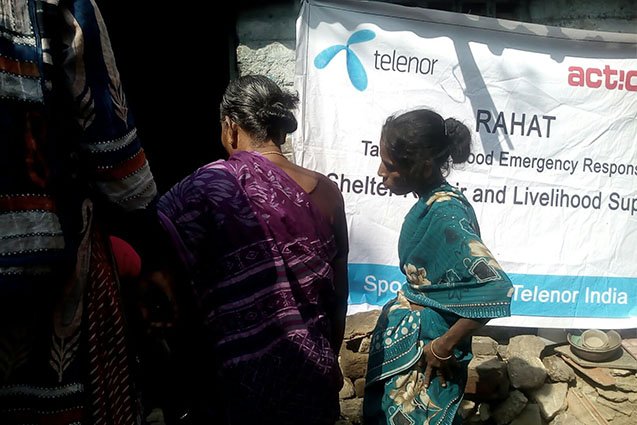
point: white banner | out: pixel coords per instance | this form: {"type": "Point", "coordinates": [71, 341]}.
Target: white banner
{"type": "Point", "coordinates": [553, 177]}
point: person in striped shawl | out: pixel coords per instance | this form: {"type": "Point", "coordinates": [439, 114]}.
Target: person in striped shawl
{"type": "Point", "coordinates": [70, 163]}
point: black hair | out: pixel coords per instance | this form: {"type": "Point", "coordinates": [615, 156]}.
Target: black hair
{"type": "Point", "coordinates": [260, 107]}
{"type": "Point", "coordinates": [416, 137]}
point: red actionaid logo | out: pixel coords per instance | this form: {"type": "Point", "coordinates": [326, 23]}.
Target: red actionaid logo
{"type": "Point", "coordinates": [608, 78]}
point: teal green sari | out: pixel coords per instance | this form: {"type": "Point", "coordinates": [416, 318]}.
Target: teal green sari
{"type": "Point", "coordinates": [453, 275]}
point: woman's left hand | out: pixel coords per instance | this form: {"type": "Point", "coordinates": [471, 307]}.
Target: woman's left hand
{"type": "Point", "coordinates": [158, 303]}
{"type": "Point", "coordinates": [435, 365]}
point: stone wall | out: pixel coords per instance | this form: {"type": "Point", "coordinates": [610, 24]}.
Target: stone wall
{"type": "Point", "coordinates": [609, 15]}
{"type": "Point", "coordinates": [516, 381]}
{"type": "Point", "coordinates": [267, 41]}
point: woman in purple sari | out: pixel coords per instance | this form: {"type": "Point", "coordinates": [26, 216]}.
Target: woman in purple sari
{"type": "Point", "coordinates": [264, 243]}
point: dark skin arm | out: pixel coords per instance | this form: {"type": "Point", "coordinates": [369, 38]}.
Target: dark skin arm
{"type": "Point", "coordinates": [159, 298]}
{"type": "Point", "coordinates": [341, 278]}
{"type": "Point", "coordinates": [443, 346]}
{"type": "Point", "coordinates": [161, 284]}
{"type": "Point", "coordinates": [338, 315]}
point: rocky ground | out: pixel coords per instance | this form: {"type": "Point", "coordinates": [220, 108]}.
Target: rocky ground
{"type": "Point", "coordinates": [513, 379]}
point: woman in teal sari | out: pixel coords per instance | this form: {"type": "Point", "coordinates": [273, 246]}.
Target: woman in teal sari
{"type": "Point", "coordinates": [421, 346]}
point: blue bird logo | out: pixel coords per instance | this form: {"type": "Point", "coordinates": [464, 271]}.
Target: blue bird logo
{"type": "Point", "coordinates": [355, 70]}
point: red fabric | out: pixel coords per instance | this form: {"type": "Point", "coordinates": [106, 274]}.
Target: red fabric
{"type": "Point", "coordinates": [109, 374]}
{"type": "Point", "coordinates": [129, 263]}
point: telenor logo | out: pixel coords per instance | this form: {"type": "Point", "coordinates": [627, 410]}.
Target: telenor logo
{"type": "Point", "coordinates": [355, 70]}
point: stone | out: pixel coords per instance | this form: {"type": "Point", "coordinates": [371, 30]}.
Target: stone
{"type": "Point", "coordinates": [615, 396]}
{"type": "Point", "coordinates": [484, 412]}
{"type": "Point", "coordinates": [577, 410]}
{"type": "Point", "coordinates": [587, 389]}
{"type": "Point", "coordinates": [623, 420]}
{"type": "Point", "coordinates": [502, 351]}
{"type": "Point", "coordinates": [626, 383]}
{"type": "Point", "coordinates": [530, 415]}
{"type": "Point", "coordinates": [359, 387]}
{"type": "Point", "coordinates": [484, 346]}
{"type": "Point", "coordinates": [620, 372]}
{"type": "Point", "coordinates": [467, 408]}
{"type": "Point", "coordinates": [275, 59]}
{"type": "Point", "coordinates": [599, 375]}
{"type": "Point", "coordinates": [352, 410]}
{"type": "Point", "coordinates": [354, 344]}
{"type": "Point", "coordinates": [609, 412]}
{"type": "Point", "coordinates": [526, 372]}
{"type": "Point", "coordinates": [347, 391]}
{"type": "Point", "coordinates": [558, 370]}
{"type": "Point", "coordinates": [473, 420]}
{"type": "Point", "coordinates": [155, 417]}
{"type": "Point", "coordinates": [365, 343]}
{"type": "Point", "coordinates": [525, 346]}
{"type": "Point", "coordinates": [621, 410]}
{"type": "Point", "coordinates": [361, 324]}
{"type": "Point", "coordinates": [353, 365]}
{"type": "Point", "coordinates": [487, 379]}
{"type": "Point", "coordinates": [566, 418]}
{"type": "Point", "coordinates": [510, 408]}
{"type": "Point", "coordinates": [551, 399]}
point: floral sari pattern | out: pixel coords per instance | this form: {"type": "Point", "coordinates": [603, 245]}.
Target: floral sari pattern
{"type": "Point", "coordinates": [452, 274]}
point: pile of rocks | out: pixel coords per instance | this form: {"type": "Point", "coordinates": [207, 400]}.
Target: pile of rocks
{"type": "Point", "coordinates": [519, 381]}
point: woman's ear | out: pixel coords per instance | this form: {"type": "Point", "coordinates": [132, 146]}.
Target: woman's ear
{"type": "Point", "coordinates": [230, 133]}
{"type": "Point", "coordinates": [234, 133]}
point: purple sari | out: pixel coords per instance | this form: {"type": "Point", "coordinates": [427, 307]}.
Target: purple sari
{"type": "Point", "coordinates": [259, 253]}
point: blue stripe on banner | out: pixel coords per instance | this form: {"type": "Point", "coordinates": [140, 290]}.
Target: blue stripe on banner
{"type": "Point", "coordinates": [535, 295]}
{"type": "Point", "coordinates": [574, 296]}
{"type": "Point", "coordinates": [373, 284]}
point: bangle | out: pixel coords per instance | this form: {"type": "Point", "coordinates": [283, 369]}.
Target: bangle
{"type": "Point", "coordinates": [431, 347]}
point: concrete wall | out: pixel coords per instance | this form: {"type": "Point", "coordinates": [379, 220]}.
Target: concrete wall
{"type": "Point", "coordinates": [608, 15]}
{"type": "Point", "coordinates": [267, 37]}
